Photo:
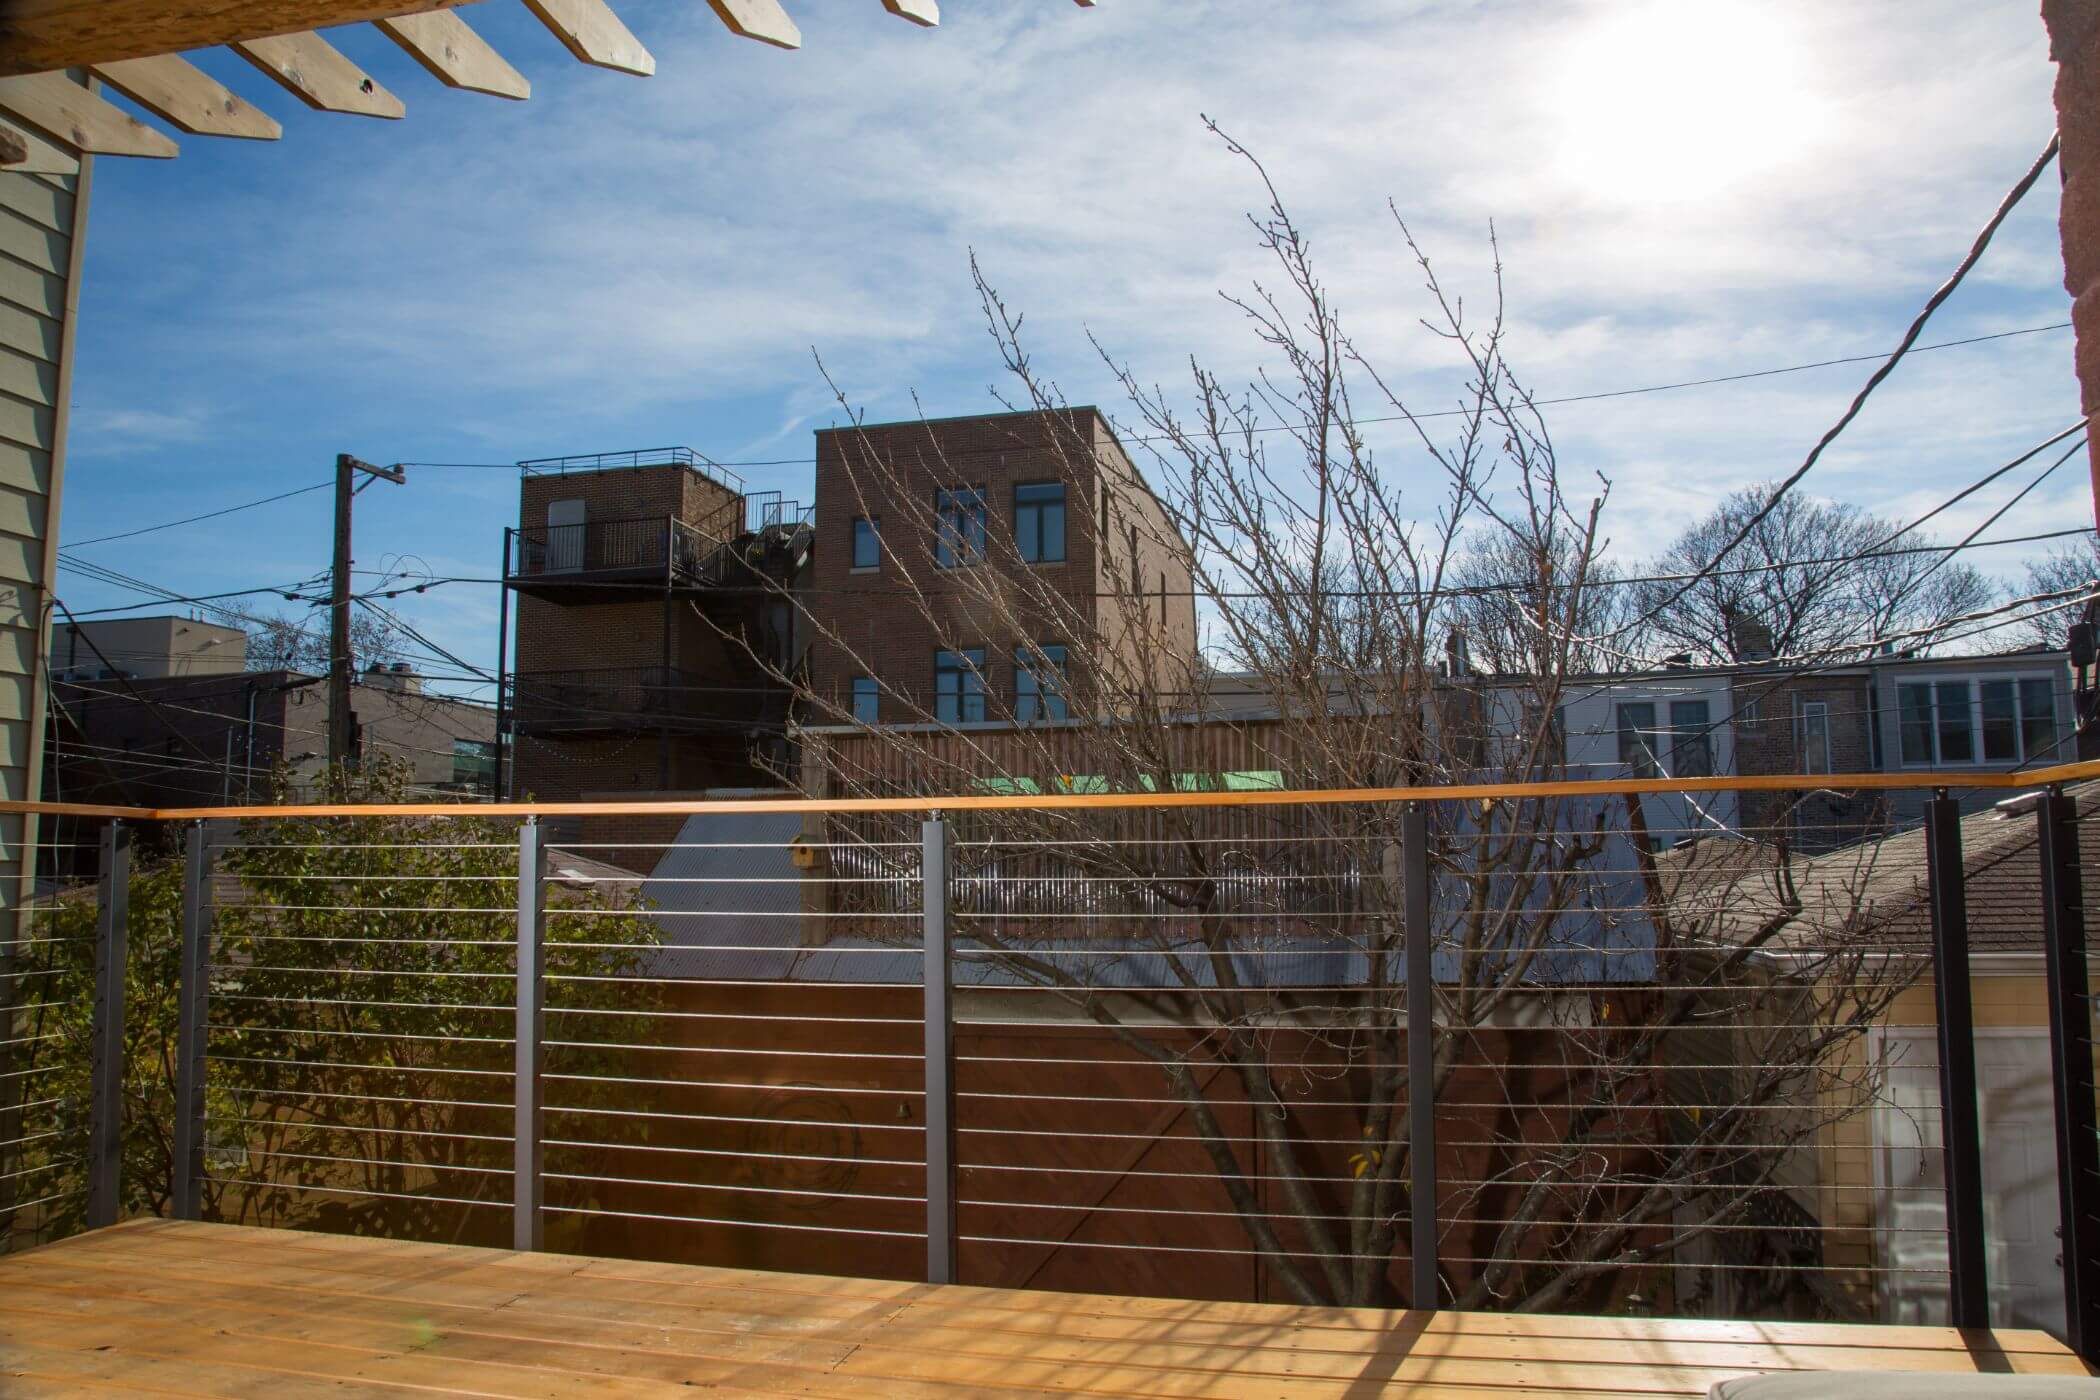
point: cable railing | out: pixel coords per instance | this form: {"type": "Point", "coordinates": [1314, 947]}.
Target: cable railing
{"type": "Point", "coordinates": [1499, 1046]}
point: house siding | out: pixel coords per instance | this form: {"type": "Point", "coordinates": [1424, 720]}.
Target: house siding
{"type": "Point", "coordinates": [43, 219]}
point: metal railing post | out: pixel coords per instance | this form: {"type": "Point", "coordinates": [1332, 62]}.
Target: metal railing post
{"type": "Point", "coordinates": [1421, 1055]}
{"type": "Point", "coordinates": [2071, 1059]}
{"type": "Point", "coordinates": [192, 1015]}
{"type": "Point", "coordinates": [1961, 1128]}
{"type": "Point", "coordinates": [528, 1214]}
{"type": "Point", "coordinates": [940, 1055]}
{"type": "Point", "coordinates": [105, 1164]}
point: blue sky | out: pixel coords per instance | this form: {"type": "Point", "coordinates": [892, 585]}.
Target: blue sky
{"type": "Point", "coordinates": [1680, 191]}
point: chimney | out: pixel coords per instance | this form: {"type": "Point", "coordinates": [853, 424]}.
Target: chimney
{"type": "Point", "coordinates": [1750, 636]}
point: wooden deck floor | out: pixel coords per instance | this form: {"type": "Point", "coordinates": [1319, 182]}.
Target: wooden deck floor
{"type": "Point", "coordinates": [160, 1308]}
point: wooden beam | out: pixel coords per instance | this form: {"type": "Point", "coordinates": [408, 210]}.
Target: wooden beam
{"type": "Point", "coordinates": [312, 70]}
{"type": "Point", "coordinates": [42, 35]}
{"type": "Point", "coordinates": [762, 20]}
{"type": "Point", "coordinates": [69, 114]}
{"type": "Point", "coordinates": [40, 157]}
{"type": "Point", "coordinates": [920, 12]}
{"type": "Point", "coordinates": [593, 33]}
{"type": "Point", "coordinates": [455, 55]}
{"type": "Point", "coordinates": [187, 98]}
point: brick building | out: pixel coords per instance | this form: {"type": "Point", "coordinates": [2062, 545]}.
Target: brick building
{"type": "Point", "coordinates": [648, 585]}
{"type": "Point", "coordinates": [918, 607]}
{"type": "Point", "coordinates": [1790, 721]}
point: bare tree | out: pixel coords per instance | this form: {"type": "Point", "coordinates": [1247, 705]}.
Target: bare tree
{"type": "Point", "coordinates": [1251, 954]}
{"type": "Point", "coordinates": [1813, 579]}
{"type": "Point", "coordinates": [2072, 567]}
{"type": "Point", "coordinates": [280, 643]}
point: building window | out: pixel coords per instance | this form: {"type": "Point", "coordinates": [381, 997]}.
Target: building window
{"type": "Point", "coordinates": [958, 686]}
{"type": "Point", "coordinates": [958, 536]}
{"type": "Point", "coordinates": [867, 700]}
{"type": "Point", "coordinates": [1039, 683]}
{"type": "Point", "coordinates": [1812, 736]}
{"type": "Point", "coordinates": [1691, 740]}
{"type": "Point", "coordinates": [1750, 712]}
{"type": "Point", "coordinates": [1993, 719]}
{"type": "Point", "coordinates": [867, 542]}
{"type": "Point", "coordinates": [1137, 572]}
{"type": "Point", "coordinates": [1640, 742]}
{"type": "Point", "coordinates": [1039, 521]}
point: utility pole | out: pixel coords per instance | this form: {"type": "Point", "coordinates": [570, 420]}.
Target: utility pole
{"type": "Point", "coordinates": [341, 723]}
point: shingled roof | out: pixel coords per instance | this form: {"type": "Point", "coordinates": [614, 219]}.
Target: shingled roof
{"type": "Point", "coordinates": [1873, 895]}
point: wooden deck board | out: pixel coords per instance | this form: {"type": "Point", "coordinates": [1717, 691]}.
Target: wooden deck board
{"type": "Point", "coordinates": [161, 1308]}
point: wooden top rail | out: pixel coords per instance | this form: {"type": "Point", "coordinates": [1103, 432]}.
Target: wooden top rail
{"type": "Point", "coordinates": [1007, 802]}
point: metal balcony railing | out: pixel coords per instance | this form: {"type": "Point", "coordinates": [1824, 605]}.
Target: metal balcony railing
{"type": "Point", "coordinates": [645, 549]}
{"type": "Point", "coordinates": [633, 457]}
{"type": "Point", "coordinates": [1498, 1045]}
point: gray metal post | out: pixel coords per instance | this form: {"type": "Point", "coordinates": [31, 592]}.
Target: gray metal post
{"type": "Point", "coordinates": [192, 1016]}
{"type": "Point", "coordinates": [528, 1217]}
{"type": "Point", "coordinates": [105, 1165]}
{"type": "Point", "coordinates": [1961, 1127]}
{"type": "Point", "coordinates": [940, 1056]}
{"type": "Point", "coordinates": [1421, 1056]}
{"type": "Point", "coordinates": [2071, 1055]}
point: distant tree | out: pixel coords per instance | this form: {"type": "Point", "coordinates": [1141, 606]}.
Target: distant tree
{"type": "Point", "coordinates": [1813, 578]}
{"type": "Point", "coordinates": [2071, 566]}
{"type": "Point", "coordinates": [1519, 602]}
{"type": "Point", "coordinates": [280, 643]}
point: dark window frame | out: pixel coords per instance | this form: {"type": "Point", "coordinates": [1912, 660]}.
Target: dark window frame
{"type": "Point", "coordinates": [1032, 521]}
{"type": "Point", "coordinates": [868, 527]}
{"type": "Point", "coordinates": [865, 688]}
{"type": "Point", "coordinates": [963, 701]}
{"type": "Point", "coordinates": [1031, 695]}
{"type": "Point", "coordinates": [960, 516]}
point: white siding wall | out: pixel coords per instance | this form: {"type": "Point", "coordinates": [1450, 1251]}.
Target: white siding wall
{"type": "Point", "coordinates": [41, 216]}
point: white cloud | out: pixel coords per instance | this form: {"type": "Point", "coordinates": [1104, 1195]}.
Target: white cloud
{"type": "Point", "coordinates": [619, 260]}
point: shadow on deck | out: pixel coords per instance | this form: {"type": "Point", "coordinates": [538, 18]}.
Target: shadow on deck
{"type": "Point", "coordinates": [163, 1307]}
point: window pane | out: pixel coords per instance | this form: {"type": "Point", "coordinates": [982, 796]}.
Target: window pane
{"type": "Point", "coordinates": [959, 533]}
{"type": "Point", "coordinates": [1956, 730]}
{"type": "Point", "coordinates": [2001, 723]}
{"type": "Point", "coordinates": [1039, 675]}
{"type": "Point", "coordinates": [1039, 521]}
{"type": "Point", "coordinates": [867, 547]}
{"type": "Point", "coordinates": [1914, 712]}
{"type": "Point", "coordinates": [1691, 736]}
{"type": "Point", "coordinates": [2038, 720]}
{"type": "Point", "coordinates": [1815, 738]}
{"type": "Point", "coordinates": [1637, 740]}
{"type": "Point", "coordinates": [867, 700]}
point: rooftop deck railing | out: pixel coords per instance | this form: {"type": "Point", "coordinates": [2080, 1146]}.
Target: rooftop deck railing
{"type": "Point", "coordinates": [1508, 1045]}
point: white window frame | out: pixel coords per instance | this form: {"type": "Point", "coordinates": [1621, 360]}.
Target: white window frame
{"type": "Point", "coordinates": [1974, 680]}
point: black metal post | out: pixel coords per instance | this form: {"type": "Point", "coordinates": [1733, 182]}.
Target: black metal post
{"type": "Point", "coordinates": [497, 791]}
{"type": "Point", "coordinates": [2071, 1058]}
{"type": "Point", "coordinates": [940, 1056]}
{"type": "Point", "coordinates": [105, 1163]}
{"type": "Point", "coordinates": [528, 1158]}
{"type": "Point", "coordinates": [1961, 1128]}
{"type": "Point", "coordinates": [192, 1016]}
{"type": "Point", "coordinates": [1421, 1055]}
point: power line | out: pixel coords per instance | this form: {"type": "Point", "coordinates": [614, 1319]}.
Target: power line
{"type": "Point", "coordinates": [193, 519]}
{"type": "Point", "coordinates": [1874, 380]}
{"type": "Point", "coordinates": [1439, 413]}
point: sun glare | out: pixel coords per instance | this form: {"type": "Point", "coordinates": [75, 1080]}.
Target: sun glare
{"type": "Point", "coordinates": [1679, 100]}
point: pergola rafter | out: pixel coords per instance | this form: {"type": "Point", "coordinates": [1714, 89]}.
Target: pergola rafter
{"type": "Point", "coordinates": [48, 120]}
